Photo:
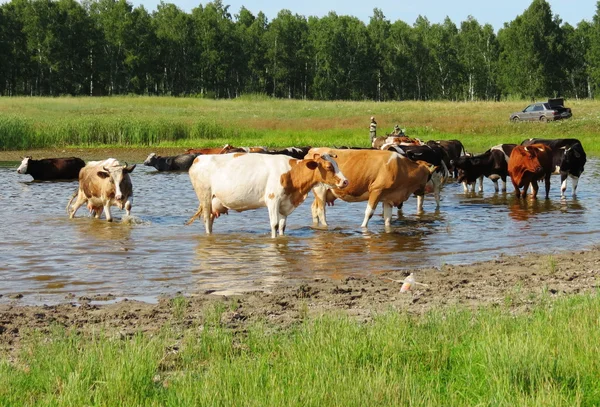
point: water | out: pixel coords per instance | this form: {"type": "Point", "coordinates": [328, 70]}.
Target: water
{"type": "Point", "coordinates": [47, 256]}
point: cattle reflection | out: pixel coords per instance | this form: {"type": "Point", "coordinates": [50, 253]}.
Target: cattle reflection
{"type": "Point", "coordinates": [238, 263]}
{"type": "Point", "coordinates": [102, 232]}
{"type": "Point", "coordinates": [523, 210]}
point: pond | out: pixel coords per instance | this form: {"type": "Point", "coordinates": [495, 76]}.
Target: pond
{"type": "Point", "coordinates": [49, 258]}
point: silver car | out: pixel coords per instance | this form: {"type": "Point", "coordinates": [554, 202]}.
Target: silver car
{"type": "Point", "coordinates": [553, 109]}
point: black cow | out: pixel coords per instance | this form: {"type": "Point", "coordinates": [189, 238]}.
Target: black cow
{"type": "Point", "coordinates": [294, 152]}
{"type": "Point", "coordinates": [568, 159]}
{"type": "Point", "coordinates": [51, 168]}
{"type": "Point", "coordinates": [492, 164]}
{"type": "Point", "coordinates": [181, 162]}
{"type": "Point", "coordinates": [453, 149]}
{"type": "Point", "coordinates": [434, 155]}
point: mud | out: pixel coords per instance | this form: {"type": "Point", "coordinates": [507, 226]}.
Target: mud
{"type": "Point", "coordinates": [132, 154]}
{"type": "Point", "coordinates": [516, 282]}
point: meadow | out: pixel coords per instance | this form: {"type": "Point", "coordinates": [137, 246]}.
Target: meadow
{"type": "Point", "coordinates": [452, 357]}
{"type": "Point", "coordinates": [30, 122]}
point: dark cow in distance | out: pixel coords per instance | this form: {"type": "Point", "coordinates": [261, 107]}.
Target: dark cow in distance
{"type": "Point", "coordinates": [492, 164]}
{"type": "Point", "coordinates": [181, 162]}
{"type": "Point", "coordinates": [294, 152]}
{"type": "Point", "coordinates": [527, 165]}
{"type": "Point", "coordinates": [568, 159]}
{"type": "Point", "coordinates": [51, 168]}
{"type": "Point", "coordinates": [453, 149]}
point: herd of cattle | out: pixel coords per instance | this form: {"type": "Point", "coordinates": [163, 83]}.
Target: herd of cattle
{"type": "Point", "coordinates": [392, 170]}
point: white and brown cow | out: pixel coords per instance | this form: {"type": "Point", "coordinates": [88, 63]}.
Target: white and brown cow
{"type": "Point", "coordinates": [250, 181]}
{"type": "Point", "coordinates": [51, 168]}
{"type": "Point", "coordinates": [103, 184]}
{"type": "Point", "coordinates": [374, 176]}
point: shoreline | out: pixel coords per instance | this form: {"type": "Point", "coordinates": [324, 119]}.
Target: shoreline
{"type": "Point", "coordinates": [517, 282]}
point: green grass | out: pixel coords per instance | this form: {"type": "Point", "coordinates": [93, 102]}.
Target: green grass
{"type": "Point", "coordinates": [546, 357]}
{"type": "Point", "coordinates": [27, 123]}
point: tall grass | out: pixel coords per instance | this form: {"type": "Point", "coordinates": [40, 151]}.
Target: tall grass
{"type": "Point", "coordinates": [27, 123]}
{"type": "Point", "coordinates": [547, 357]}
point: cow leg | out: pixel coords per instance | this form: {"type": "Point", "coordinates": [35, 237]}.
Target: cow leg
{"type": "Point", "coordinates": [547, 185]}
{"type": "Point", "coordinates": [437, 187]}
{"type": "Point", "coordinates": [465, 187]}
{"type": "Point", "coordinates": [534, 189]}
{"type": "Point", "coordinates": [273, 207]}
{"type": "Point", "coordinates": [374, 198]}
{"type": "Point", "coordinates": [575, 181]}
{"type": "Point", "coordinates": [503, 179]}
{"type": "Point", "coordinates": [282, 224]}
{"type": "Point", "coordinates": [420, 199]}
{"type": "Point", "coordinates": [481, 184]}
{"type": "Point", "coordinates": [563, 184]}
{"type": "Point", "coordinates": [81, 199]}
{"type": "Point", "coordinates": [318, 206]}
{"type": "Point", "coordinates": [517, 191]}
{"type": "Point", "coordinates": [387, 214]}
{"type": "Point", "coordinates": [473, 186]}
{"type": "Point", "coordinates": [107, 212]}
{"type": "Point", "coordinates": [128, 207]}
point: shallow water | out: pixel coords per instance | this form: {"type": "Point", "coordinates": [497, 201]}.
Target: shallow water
{"type": "Point", "coordinates": [46, 256]}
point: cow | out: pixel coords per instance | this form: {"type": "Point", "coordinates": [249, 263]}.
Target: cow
{"type": "Point", "coordinates": [492, 164]}
{"type": "Point", "coordinates": [247, 150]}
{"type": "Point", "coordinates": [51, 168]}
{"type": "Point", "coordinates": [250, 181]}
{"type": "Point", "coordinates": [374, 176]}
{"type": "Point", "coordinates": [568, 159]}
{"type": "Point", "coordinates": [453, 149]}
{"type": "Point", "coordinates": [103, 184]}
{"type": "Point", "coordinates": [381, 143]}
{"type": "Point", "coordinates": [433, 155]}
{"type": "Point", "coordinates": [217, 150]}
{"type": "Point", "coordinates": [527, 165]}
{"type": "Point", "coordinates": [294, 152]}
{"type": "Point", "coordinates": [181, 162]}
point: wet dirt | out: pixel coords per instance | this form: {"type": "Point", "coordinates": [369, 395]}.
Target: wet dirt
{"type": "Point", "coordinates": [516, 282]}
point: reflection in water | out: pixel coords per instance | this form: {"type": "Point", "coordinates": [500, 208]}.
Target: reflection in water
{"type": "Point", "coordinates": [45, 255]}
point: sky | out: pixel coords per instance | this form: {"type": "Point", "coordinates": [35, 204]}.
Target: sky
{"type": "Point", "coordinates": [495, 13]}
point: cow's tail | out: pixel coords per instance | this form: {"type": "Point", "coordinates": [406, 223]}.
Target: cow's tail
{"type": "Point", "coordinates": [70, 201]}
{"type": "Point", "coordinates": [195, 216]}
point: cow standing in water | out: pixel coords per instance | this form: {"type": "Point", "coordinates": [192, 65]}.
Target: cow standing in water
{"type": "Point", "coordinates": [51, 168]}
{"type": "Point", "coordinates": [529, 164]}
{"type": "Point", "coordinates": [568, 159]}
{"type": "Point", "coordinates": [250, 181]}
{"type": "Point", "coordinates": [181, 162]}
{"type": "Point", "coordinates": [103, 184]}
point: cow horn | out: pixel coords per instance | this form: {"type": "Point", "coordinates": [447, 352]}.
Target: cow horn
{"type": "Point", "coordinates": [540, 148]}
{"type": "Point", "coordinates": [104, 168]}
{"type": "Point", "coordinates": [526, 149]}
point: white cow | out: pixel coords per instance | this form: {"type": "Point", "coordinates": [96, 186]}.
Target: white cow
{"type": "Point", "coordinates": [250, 181]}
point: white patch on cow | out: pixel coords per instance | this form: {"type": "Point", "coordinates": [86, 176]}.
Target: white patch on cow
{"type": "Point", "coordinates": [149, 158]}
{"type": "Point", "coordinates": [575, 182]}
{"type": "Point", "coordinates": [23, 167]}
{"type": "Point", "coordinates": [563, 188]}
{"type": "Point", "coordinates": [494, 177]}
{"type": "Point", "coordinates": [556, 170]}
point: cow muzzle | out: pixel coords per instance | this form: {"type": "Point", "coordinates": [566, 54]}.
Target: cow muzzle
{"type": "Point", "coordinates": [342, 183]}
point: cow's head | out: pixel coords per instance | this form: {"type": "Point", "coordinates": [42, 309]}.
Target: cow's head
{"type": "Point", "coordinates": [574, 160]}
{"type": "Point", "coordinates": [328, 170]}
{"type": "Point", "coordinates": [23, 167]}
{"type": "Point", "coordinates": [118, 175]}
{"type": "Point", "coordinates": [530, 161]}
{"type": "Point", "coordinates": [151, 160]}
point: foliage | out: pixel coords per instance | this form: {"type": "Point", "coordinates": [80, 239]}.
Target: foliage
{"type": "Point", "coordinates": [110, 47]}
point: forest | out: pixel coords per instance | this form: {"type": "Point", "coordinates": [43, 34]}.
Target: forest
{"type": "Point", "coordinates": [109, 47]}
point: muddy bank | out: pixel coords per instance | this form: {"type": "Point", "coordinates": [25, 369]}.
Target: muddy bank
{"type": "Point", "coordinates": [515, 282]}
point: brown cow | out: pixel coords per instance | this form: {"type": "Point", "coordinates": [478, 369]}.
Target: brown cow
{"type": "Point", "coordinates": [374, 176]}
{"type": "Point", "coordinates": [382, 143]}
{"type": "Point", "coordinates": [529, 164]}
{"type": "Point", "coordinates": [103, 184]}
{"type": "Point", "coordinates": [217, 150]}
{"type": "Point", "coordinates": [51, 168]}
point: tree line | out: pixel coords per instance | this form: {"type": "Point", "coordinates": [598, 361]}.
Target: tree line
{"type": "Point", "coordinates": [108, 47]}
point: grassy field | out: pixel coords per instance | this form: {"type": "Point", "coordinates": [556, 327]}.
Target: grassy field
{"type": "Point", "coordinates": [546, 357]}
{"type": "Point", "coordinates": [27, 123]}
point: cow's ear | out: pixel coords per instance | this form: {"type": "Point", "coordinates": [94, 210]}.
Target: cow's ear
{"type": "Point", "coordinates": [312, 165]}
{"type": "Point", "coordinates": [316, 156]}
{"type": "Point", "coordinates": [103, 174]}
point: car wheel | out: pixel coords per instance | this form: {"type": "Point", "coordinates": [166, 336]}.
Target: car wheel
{"type": "Point", "coordinates": [515, 119]}
{"type": "Point", "coordinates": [543, 119]}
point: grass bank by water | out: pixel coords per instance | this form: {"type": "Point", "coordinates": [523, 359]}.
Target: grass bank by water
{"type": "Point", "coordinates": [545, 357]}
{"type": "Point", "coordinates": [28, 123]}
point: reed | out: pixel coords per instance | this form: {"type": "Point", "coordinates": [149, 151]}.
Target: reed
{"type": "Point", "coordinates": [456, 357]}
{"type": "Point", "coordinates": [27, 123]}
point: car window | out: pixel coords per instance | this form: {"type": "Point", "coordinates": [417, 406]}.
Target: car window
{"type": "Point", "coordinates": [538, 108]}
{"type": "Point", "coordinates": [547, 106]}
{"type": "Point", "coordinates": [529, 108]}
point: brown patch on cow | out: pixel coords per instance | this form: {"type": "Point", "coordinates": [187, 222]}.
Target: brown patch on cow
{"type": "Point", "coordinates": [236, 155]}
{"type": "Point", "coordinates": [271, 195]}
{"type": "Point", "coordinates": [196, 160]}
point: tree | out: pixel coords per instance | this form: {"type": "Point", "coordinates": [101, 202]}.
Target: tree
{"type": "Point", "coordinates": [379, 32]}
